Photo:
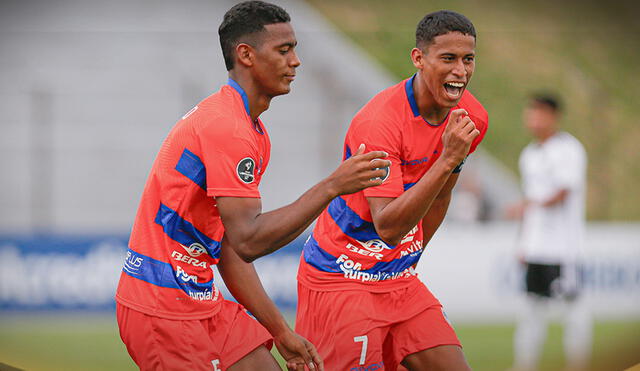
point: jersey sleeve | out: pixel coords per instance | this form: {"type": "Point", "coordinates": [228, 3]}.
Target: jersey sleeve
{"type": "Point", "coordinates": [378, 134]}
{"type": "Point", "coordinates": [230, 161]}
{"type": "Point", "coordinates": [569, 166]}
{"type": "Point", "coordinates": [481, 120]}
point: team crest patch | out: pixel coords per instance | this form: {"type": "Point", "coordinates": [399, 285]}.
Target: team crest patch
{"type": "Point", "coordinates": [386, 173]}
{"type": "Point", "coordinates": [246, 170]}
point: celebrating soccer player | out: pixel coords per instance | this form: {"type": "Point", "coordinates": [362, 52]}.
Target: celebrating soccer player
{"type": "Point", "coordinates": [201, 206]}
{"type": "Point", "coordinates": [360, 301]}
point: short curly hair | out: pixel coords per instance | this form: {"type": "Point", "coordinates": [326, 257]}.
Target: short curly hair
{"type": "Point", "coordinates": [245, 19]}
{"type": "Point", "coordinates": [439, 23]}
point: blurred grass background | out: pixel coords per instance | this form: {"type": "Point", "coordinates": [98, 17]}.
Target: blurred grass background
{"type": "Point", "coordinates": [586, 51]}
{"type": "Point", "coordinates": [90, 342]}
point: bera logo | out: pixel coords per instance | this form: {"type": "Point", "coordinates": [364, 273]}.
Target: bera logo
{"type": "Point", "coordinates": [374, 245]}
{"type": "Point", "coordinates": [195, 249]}
{"type": "Point", "coordinates": [409, 236]}
{"type": "Point", "coordinates": [246, 169]}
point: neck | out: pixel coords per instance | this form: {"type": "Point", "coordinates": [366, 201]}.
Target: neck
{"type": "Point", "coordinates": [546, 135]}
{"type": "Point", "coordinates": [258, 101]}
{"type": "Point", "coordinates": [427, 105]}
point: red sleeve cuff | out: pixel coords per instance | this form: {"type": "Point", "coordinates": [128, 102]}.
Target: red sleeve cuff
{"type": "Point", "coordinates": [232, 192]}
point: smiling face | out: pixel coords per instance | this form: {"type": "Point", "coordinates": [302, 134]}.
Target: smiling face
{"type": "Point", "coordinates": [446, 67]}
{"type": "Point", "coordinates": [275, 60]}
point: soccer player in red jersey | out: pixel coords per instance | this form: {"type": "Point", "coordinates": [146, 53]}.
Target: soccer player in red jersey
{"type": "Point", "coordinates": [357, 268]}
{"type": "Point", "coordinates": [201, 206]}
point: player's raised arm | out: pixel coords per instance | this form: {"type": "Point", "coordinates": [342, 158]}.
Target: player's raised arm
{"type": "Point", "coordinates": [395, 217]}
{"type": "Point", "coordinates": [253, 233]}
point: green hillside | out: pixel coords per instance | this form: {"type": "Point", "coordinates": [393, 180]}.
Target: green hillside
{"type": "Point", "coordinates": [586, 51]}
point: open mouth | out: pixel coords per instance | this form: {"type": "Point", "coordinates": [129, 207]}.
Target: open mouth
{"type": "Point", "coordinates": [454, 89]}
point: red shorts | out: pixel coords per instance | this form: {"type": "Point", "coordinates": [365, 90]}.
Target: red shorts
{"type": "Point", "coordinates": [358, 330]}
{"type": "Point", "coordinates": [213, 343]}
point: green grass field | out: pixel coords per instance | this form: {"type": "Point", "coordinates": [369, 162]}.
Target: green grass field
{"type": "Point", "coordinates": [90, 342]}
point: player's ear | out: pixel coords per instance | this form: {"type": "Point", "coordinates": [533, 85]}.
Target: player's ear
{"type": "Point", "coordinates": [417, 57]}
{"type": "Point", "coordinates": [244, 54]}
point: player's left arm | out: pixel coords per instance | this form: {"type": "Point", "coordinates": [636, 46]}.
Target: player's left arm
{"type": "Point", "coordinates": [244, 284]}
{"type": "Point", "coordinates": [439, 207]}
{"type": "Point", "coordinates": [569, 172]}
{"type": "Point", "coordinates": [435, 216]}
{"type": "Point", "coordinates": [556, 198]}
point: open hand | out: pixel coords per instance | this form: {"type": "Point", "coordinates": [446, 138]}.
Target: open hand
{"type": "Point", "coordinates": [298, 352]}
{"type": "Point", "coordinates": [360, 171]}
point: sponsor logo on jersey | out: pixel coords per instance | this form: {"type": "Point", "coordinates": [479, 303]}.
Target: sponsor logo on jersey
{"type": "Point", "coordinates": [375, 245]}
{"type": "Point", "coordinates": [353, 270]}
{"type": "Point", "coordinates": [189, 260]}
{"type": "Point", "coordinates": [246, 169]}
{"type": "Point", "coordinates": [204, 295]}
{"type": "Point", "coordinates": [414, 162]}
{"type": "Point", "coordinates": [371, 367]}
{"type": "Point", "coordinates": [413, 249]}
{"type": "Point", "coordinates": [409, 236]}
{"type": "Point", "coordinates": [364, 252]}
{"type": "Point", "coordinates": [347, 264]}
{"type": "Point", "coordinates": [132, 263]}
{"type": "Point", "coordinates": [184, 276]}
{"type": "Point", "coordinates": [195, 249]}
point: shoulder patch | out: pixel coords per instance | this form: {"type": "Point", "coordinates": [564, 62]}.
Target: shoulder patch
{"type": "Point", "coordinates": [246, 170]}
{"type": "Point", "coordinates": [386, 169]}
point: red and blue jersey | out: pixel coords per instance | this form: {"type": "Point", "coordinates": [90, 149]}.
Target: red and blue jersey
{"type": "Point", "coordinates": [214, 150]}
{"type": "Point", "coordinates": [344, 251]}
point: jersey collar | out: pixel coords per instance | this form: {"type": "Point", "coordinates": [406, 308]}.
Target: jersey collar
{"type": "Point", "coordinates": [240, 91]}
{"type": "Point", "coordinates": [256, 125]}
{"type": "Point", "coordinates": [408, 87]}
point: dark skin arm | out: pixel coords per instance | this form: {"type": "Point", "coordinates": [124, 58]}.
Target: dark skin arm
{"type": "Point", "coordinates": [253, 233]}
{"type": "Point", "coordinates": [431, 222]}
{"type": "Point", "coordinates": [395, 217]}
{"type": "Point", "coordinates": [243, 283]}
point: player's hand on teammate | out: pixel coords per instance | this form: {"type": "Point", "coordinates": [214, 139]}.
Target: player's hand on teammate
{"type": "Point", "coordinates": [360, 171]}
{"type": "Point", "coordinates": [298, 352]}
{"type": "Point", "coordinates": [458, 136]}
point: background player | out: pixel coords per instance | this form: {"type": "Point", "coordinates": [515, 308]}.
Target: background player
{"type": "Point", "coordinates": [357, 269]}
{"type": "Point", "coordinates": [553, 170]}
{"type": "Point", "coordinates": [203, 185]}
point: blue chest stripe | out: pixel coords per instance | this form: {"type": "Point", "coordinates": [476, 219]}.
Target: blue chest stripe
{"type": "Point", "coordinates": [184, 232]}
{"type": "Point", "coordinates": [315, 256]}
{"type": "Point", "coordinates": [350, 223]}
{"type": "Point", "coordinates": [193, 168]}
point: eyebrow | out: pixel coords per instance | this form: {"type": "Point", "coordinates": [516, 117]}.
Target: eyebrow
{"type": "Point", "coordinates": [289, 44]}
{"type": "Point", "coordinates": [454, 54]}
